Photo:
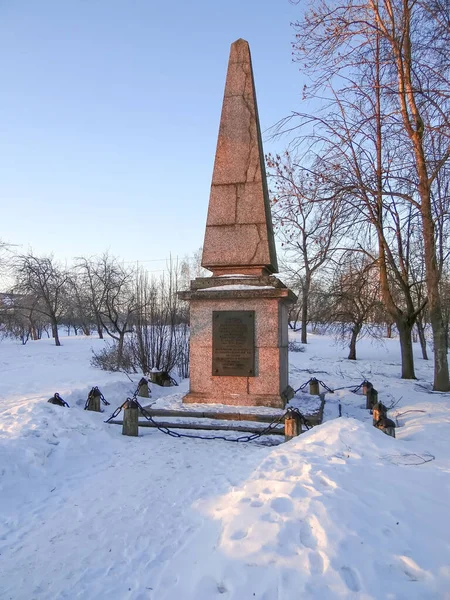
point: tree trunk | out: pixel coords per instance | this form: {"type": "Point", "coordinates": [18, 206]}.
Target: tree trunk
{"type": "Point", "coordinates": [355, 332]}
{"type": "Point", "coordinates": [99, 328]}
{"type": "Point", "coordinates": [120, 350]}
{"type": "Point", "coordinates": [404, 326]}
{"type": "Point", "coordinates": [55, 332]}
{"type": "Point", "coordinates": [305, 293]}
{"type": "Point", "coordinates": [406, 349]}
{"type": "Point", "coordinates": [441, 374]}
{"type": "Point", "coordinates": [413, 122]}
{"type": "Point", "coordinates": [389, 330]}
{"type": "Point", "coordinates": [423, 341]}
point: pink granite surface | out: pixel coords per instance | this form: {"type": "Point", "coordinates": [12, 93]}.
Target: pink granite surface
{"type": "Point", "coordinates": [271, 375]}
{"type": "Point", "coordinates": [239, 229]}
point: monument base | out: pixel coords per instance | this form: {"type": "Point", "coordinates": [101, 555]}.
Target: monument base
{"type": "Point", "coordinates": [236, 400]}
{"type": "Point", "coordinates": [265, 298]}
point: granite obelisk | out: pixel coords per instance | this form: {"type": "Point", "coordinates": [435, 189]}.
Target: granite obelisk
{"type": "Point", "coordinates": [239, 316]}
{"type": "Point", "coordinates": [239, 233]}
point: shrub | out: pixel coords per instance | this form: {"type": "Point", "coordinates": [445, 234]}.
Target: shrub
{"type": "Point", "coordinates": [296, 347]}
{"type": "Point", "coordinates": [107, 359]}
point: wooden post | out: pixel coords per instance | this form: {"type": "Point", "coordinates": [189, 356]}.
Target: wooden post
{"type": "Point", "coordinates": [292, 426]}
{"type": "Point", "coordinates": [130, 424]}
{"type": "Point", "coordinates": [366, 386]}
{"type": "Point", "coordinates": [371, 398]}
{"type": "Point", "coordinates": [143, 388]}
{"type": "Point", "coordinates": [314, 389]}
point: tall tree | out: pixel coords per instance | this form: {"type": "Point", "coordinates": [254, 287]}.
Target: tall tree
{"type": "Point", "coordinates": [407, 43]}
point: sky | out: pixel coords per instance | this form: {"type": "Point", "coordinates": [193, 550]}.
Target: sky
{"type": "Point", "coordinates": [109, 115]}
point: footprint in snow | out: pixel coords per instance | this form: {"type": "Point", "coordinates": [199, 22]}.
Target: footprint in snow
{"type": "Point", "coordinates": [208, 587]}
{"type": "Point", "coordinates": [282, 505]}
{"type": "Point", "coordinates": [270, 517]}
{"type": "Point", "coordinates": [326, 482]}
{"type": "Point", "coordinates": [315, 563]}
{"type": "Point", "coordinates": [52, 441]}
{"type": "Point", "coordinates": [240, 534]}
{"type": "Point", "coordinates": [412, 569]}
{"type": "Point", "coordinates": [350, 579]}
{"type": "Point", "coordinates": [166, 553]}
{"type": "Point", "coordinates": [284, 460]}
{"type": "Point", "coordinates": [256, 503]}
{"type": "Point", "coordinates": [307, 537]}
{"type": "Point", "coordinates": [300, 491]}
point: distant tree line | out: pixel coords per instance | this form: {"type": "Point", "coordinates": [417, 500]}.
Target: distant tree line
{"type": "Point", "coordinates": [145, 322]}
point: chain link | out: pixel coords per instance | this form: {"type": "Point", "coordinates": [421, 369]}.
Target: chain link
{"type": "Point", "coordinates": [314, 380]}
{"type": "Point", "coordinates": [96, 392]}
{"type": "Point", "coordinates": [56, 399]}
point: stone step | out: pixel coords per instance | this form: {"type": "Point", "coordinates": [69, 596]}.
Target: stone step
{"type": "Point", "coordinates": [279, 430]}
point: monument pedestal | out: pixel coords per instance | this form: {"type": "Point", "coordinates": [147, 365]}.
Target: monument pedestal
{"type": "Point", "coordinates": [264, 358]}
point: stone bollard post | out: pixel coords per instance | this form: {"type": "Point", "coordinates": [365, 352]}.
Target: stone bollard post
{"type": "Point", "coordinates": [130, 419]}
{"type": "Point", "coordinates": [371, 398]}
{"type": "Point", "coordinates": [378, 411]}
{"type": "Point", "coordinates": [366, 386]}
{"type": "Point", "coordinates": [93, 401]}
{"type": "Point", "coordinates": [292, 426]}
{"type": "Point", "coordinates": [314, 388]}
{"type": "Point", "coordinates": [143, 388]}
{"type": "Point", "coordinates": [381, 421]}
{"type": "Point", "coordinates": [154, 375]}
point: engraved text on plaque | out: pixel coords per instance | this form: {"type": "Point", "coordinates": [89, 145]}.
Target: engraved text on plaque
{"type": "Point", "coordinates": [233, 343]}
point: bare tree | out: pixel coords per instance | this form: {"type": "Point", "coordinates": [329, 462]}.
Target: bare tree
{"type": "Point", "coordinates": [119, 303]}
{"type": "Point", "coordinates": [46, 281]}
{"type": "Point", "coordinates": [311, 227]}
{"type": "Point", "coordinates": [21, 316]}
{"type": "Point", "coordinates": [191, 268]}
{"type": "Point", "coordinates": [354, 298]}
{"type": "Point", "coordinates": [349, 164]}
{"type": "Point", "coordinates": [386, 81]}
{"type": "Point", "coordinates": [80, 314]}
{"type": "Point", "coordinates": [91, 287]}
{"type": "Point", "coordinates": [160, 337]}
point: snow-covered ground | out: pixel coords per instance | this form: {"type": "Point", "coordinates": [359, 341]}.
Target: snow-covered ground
{"type": "Point", "coordinates": [342, 511]}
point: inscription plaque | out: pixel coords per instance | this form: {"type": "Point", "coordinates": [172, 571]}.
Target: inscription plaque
{"type": "Point", "coordinates": [233, 343]}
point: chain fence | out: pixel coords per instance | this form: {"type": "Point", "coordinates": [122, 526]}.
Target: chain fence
{"type": "Point", "coordinates": [279, 420]}
{"type": "Point", "coordinates": [314, 380]}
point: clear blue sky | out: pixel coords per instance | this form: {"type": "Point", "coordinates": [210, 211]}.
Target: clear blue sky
{"type": "Point", "coordinates": [109, 114]}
